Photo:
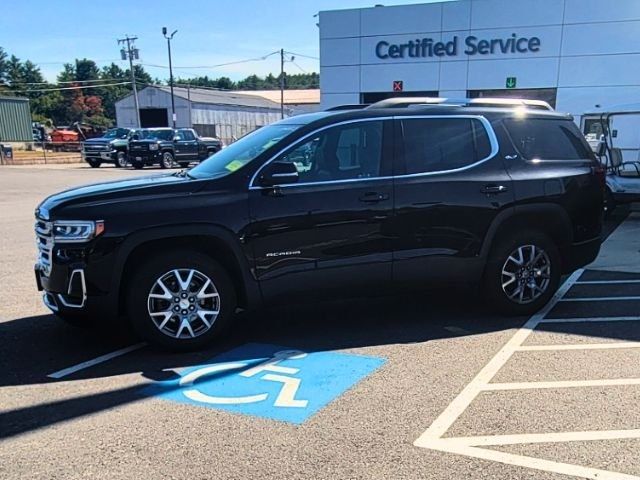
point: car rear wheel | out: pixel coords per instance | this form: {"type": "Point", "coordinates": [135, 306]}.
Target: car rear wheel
{"type": "Point", "coordinates": [522, 273]}
{"type": "Point", "coordinates": [181, 301]}
{"type": "Point", "coordinates": [121, 159]}
{"type": "Point", "coordinates": [94, 163]}
{"type": "Point", "coordinates": [167, 160]}
{"type": "Point", "coordinates": [137, 164]}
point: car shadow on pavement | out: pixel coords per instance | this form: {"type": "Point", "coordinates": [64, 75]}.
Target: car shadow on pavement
{"type": "Point", "coordinates": [34, 347]}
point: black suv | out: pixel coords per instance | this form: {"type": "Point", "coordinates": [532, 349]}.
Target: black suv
{"type": "Point", "coordinates": [166, 147]}
{"type": "Point", "coordinates": [403, 193]}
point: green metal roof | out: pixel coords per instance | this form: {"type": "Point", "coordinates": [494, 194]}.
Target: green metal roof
{"type": "Point", "coordinates": [15, 120]}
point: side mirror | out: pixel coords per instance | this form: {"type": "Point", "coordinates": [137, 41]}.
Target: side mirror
{"type": "Point", "coordinates": [135, 137]}
{"type": "Point", "coordinates": [279, 173]}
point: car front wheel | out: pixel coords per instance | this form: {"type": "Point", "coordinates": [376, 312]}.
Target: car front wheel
{"type": "Point", "coordinates": [181, 301]}
{"type": "Point", "coordinates": [167, 160]}
{"type": "Point", "coordinates": [121, 159]}
{"type": "Point", "coordinates": [94, 163]}
{"type": "Point", "coordinates": [522, 273]}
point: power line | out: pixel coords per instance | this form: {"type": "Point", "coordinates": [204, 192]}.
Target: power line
{"type": "Point", "coordinates": [302, 55]}
{"type": "Point", "coordinates": [256, 59]}
{"type": "Point", "coordinates": [79, 87]}
{"type": "Point", "coordinates": [68, 81]}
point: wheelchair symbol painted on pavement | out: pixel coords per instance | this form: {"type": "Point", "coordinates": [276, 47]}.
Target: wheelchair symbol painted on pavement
{"type": "Point", "coordinates": [268, 381]}
{"type": "Point", "coordinates": [285, 398]}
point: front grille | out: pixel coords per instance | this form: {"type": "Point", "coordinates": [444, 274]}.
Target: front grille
{"type": "Point", "coordinates": [138, 147]}
{"type": "Point", "coordinates": [95, 148]}
{"type": "Point", "coordinates": [44, 241]}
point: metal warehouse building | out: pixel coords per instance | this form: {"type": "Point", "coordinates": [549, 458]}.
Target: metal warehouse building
{"type": "Point", "coordinates": [575, 54]}
{"type": "Point", "coordinates": [15, 120]}
{"type": "Point", "coordinates": [226, 115]}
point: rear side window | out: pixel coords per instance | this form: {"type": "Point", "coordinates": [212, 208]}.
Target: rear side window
{"type": "Point", "coordinates": [547, 139]}
{"type": "Point", "coordinates": [440, 144]}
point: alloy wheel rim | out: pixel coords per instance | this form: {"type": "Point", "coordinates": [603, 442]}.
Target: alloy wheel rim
{"type": "Point", "coordinates": [168, 161]}
{"type": "Point", "coordinates": [526, 274]}
{"type": "Point", "coordinates": [122, 160]}
{"type": "Point", "coordinates": [183, 303]}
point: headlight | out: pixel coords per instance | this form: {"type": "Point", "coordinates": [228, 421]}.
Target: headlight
{"type": "Point", "coordinates": [76, 231]}
{"type": "Point", "coordinates": [153, 146]}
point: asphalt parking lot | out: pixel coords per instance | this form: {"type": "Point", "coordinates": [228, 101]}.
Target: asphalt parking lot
{"type": "Point", "coordinates": [429, 386]}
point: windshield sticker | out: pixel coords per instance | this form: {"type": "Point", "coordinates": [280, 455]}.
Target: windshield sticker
{"type": "Point", "coordinates": [233, 166]}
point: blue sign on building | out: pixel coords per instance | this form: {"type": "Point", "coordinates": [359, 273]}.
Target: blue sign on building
{"type": "Point", "coordinates": [268, 381]}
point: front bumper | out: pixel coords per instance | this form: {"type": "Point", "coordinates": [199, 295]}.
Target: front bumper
{"type": "Point", "coordinates": [147, 157]}
{"type": "Point", "coordinates": [102, 155]}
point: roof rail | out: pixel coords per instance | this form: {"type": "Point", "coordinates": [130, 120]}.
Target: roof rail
{"type": "Point", "coordinates": [404, 102]}
{"type": "Point", "coordinates": [354, 106]}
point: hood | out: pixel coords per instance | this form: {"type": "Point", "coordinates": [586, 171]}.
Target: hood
{"type": "Point", "coordinates": [99, 140]}
{"type": "Point", "coordinates": [119, 191]}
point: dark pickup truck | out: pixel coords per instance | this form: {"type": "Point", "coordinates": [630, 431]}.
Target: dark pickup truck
{"type": "Point", "coordinates": [110, 148]}
{"type": "Point", "coordinates": [168, 147]}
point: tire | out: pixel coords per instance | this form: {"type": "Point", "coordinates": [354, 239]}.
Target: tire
{"type": "Point", "coordinates": [184, 164]}
{"type": "Point", "coordinates": [94, 163]}
{"type": "Point", "coordinates": [121, 159]}
{"type": "Point", "coordinates": [545, 274]}
{"type": "Point", "coordinates": [176, 335]}
{"type": "Point", "coordinates": [138, 165]}
{"type": "Point", "coordinates": [167, 160]}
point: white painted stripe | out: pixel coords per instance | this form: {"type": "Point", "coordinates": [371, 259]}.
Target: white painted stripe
{"type": "Point", "coordinates": [578, 346]}
{"type": "Point", "coordinates": [528, 462]}
{"type": "Point", "coordinates": [598, 299]}
{"type": "Point", "coordinates": [95, 361]}
{"type": "Point", "coordinates": [562, 384]}
{"type": "Point", "coordinates": [555, 437]}
{"type": "Point", "coordinates": [447, 418]}
{"type": "Point", "coordinates": [605, 282]}
{"type": "Point", "coordinates": [590, 319]}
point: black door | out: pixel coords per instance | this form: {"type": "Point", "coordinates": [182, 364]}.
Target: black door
{"type": "Point", "coordinates": [449, 188]}
{"type": "Point", "coordinates": [328, 231]}
{"type": "Point", "coordinates": [153, 117]}
{"type": "Point", "coordinates": [186, 145]}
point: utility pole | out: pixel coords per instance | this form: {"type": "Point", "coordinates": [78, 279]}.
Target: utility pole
{"type": "Point", "coordinates": [173, 103]}
{"type": "Point", "coordinates": [281, 83]}
{"type": "Point", "coordinates": [131, 52]}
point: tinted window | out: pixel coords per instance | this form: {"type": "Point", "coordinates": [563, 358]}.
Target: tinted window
{"type": "Point", "coordinates": [439, 144]}
{"type": "Point", "coordinates": [339, 153]}
{"type": "Point", "coordinates": [186, 135]}
{"type": "Point", "coordinates": [548, 139]}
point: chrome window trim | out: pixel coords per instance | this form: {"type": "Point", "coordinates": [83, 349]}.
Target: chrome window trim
{"type": "Point", "coordinates": [493, 140]}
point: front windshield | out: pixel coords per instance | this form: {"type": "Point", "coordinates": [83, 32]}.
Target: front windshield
{"type": "Point", "coordinates": [159, 134]}
{"type": "Point", "coordinates": [116, 133]}
{"type": "Point", "coordinates": [242, 152]}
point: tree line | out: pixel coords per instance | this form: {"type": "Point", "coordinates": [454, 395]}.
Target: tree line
{"type": "Point", "coordinates": [63, 102]}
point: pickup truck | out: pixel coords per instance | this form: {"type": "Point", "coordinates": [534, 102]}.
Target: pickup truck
{"type": "Point", "coordinates": [168, 147]}
{"type": "Point", "coordinates": [112, 147]}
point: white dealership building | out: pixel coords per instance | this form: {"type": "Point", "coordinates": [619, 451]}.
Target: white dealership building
{"type": "Point", "coordinates": [575, 54]}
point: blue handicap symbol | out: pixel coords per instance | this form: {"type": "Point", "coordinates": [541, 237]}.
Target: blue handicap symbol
{"type": "Point", "coordinates": [268, 381]}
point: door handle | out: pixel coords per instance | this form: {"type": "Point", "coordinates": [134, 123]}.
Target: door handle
{"type": "Point", "coordinates": [373, 197]}
{"type": "Point", "coordinates": [494, 189]}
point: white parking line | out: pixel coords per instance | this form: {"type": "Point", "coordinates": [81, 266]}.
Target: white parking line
{"type": "Point", "coordinates": [432, 438]}
{"type": "Point", "coordinates": [597, 299]}
{"type": "Point", "coordinates": [605, 282]}
{"type": "Point", "coordinates": [578, 346]}
{"type": "Point", "coordinates": [562, 384]}
{"type": "Point", "coordinates": [95, 361]}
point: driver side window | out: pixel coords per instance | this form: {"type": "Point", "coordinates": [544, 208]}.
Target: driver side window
{"type": "Point", "coordinates": [343, 152]}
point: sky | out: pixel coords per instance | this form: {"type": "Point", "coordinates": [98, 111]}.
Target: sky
{"type": "Point", "coordinates": [210, 32]}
